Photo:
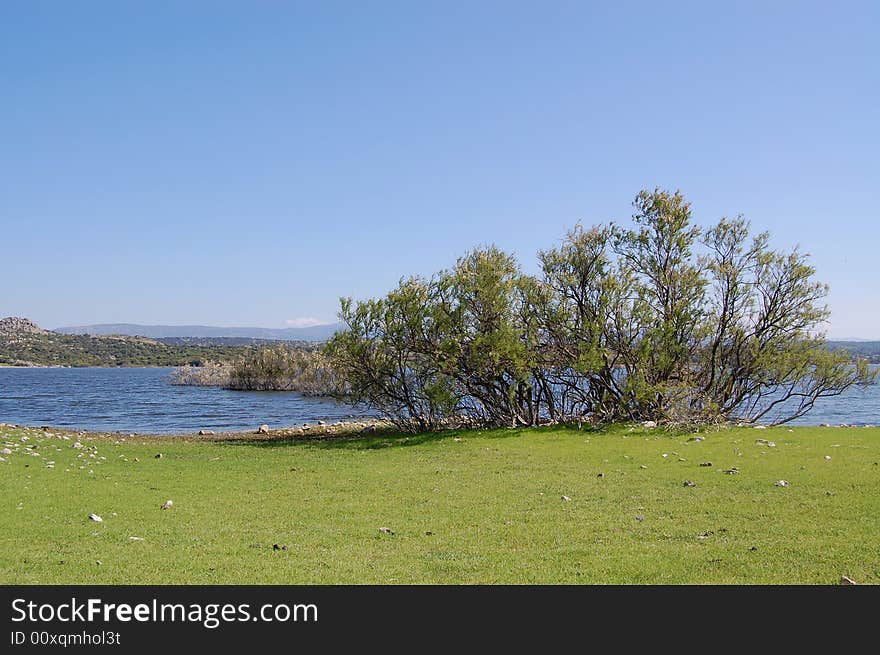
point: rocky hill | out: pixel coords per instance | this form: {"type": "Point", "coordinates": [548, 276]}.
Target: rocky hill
{"type": "Point", "coordinates": [12, 325]}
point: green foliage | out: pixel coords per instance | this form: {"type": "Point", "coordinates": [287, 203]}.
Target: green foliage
{"type": "Point", "coordinates": [662, 321]}
{"type": "Point", "coordinates": [380, 361]}
{"type": "Point", "coordinates": [54, 349]}
{"type": "Point", "coordinates": [283, 368]}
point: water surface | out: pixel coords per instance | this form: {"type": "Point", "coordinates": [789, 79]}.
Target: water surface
{"type": "Point", "coordinates": [141, 400]}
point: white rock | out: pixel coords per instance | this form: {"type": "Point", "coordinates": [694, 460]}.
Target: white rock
{"type": "Point", "coordinates": [96, 518]}
{"type": "Point", "coordinates": [6, 451]}
{"type": "Point", "coordinates": [649, 424]}
{"type": "Point", "coordinates": [780, 483]}
{"type": "Point", "coordinates": [168, 504]}
{"type": "Point", "coordinates": [760, 427]}
{"type": "Point", "coordinates": [77, 444]}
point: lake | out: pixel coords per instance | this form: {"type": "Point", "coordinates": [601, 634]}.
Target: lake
{"type": "Point", "coordinates": [141, 400]}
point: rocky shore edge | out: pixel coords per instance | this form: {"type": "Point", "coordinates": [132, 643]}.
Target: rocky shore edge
{"type": "Point", "coordinates": [319, 430]}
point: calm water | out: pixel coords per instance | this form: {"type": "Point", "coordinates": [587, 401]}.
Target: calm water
{"type": "Point", "coordinates": [142, 400]}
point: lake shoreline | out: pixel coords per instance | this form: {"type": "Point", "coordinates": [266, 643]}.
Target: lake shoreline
{"type": "Point", "coordinates": [345, 429]}
{"type": "Point", "coordinates": [126, 400]}
{"type": "Point", "coordinates": [357, 428]}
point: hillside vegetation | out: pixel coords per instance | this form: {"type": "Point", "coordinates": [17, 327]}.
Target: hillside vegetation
{"type": "Point", "coordinates": [22, 343]}
{"type": "Point", "coordinates": [867, 350]}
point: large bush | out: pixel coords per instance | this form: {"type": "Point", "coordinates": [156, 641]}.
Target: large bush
{"type": "Point", "coordinates": [660, 320]}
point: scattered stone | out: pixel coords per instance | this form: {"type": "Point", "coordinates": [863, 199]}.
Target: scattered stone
{"type": "Point", "coordinates": [824, 425]}
{"type": "Point", "coordinates": [640, 517]}
{"type": "Point", "coordinates": [642, 466]}
{"type": "Point", "coordinates": [386, 530]}
{"type": "Point", "coordinates": [753, 549]}
{"type": "Point", "coordinates": [96, 518]}
{"type": "Point", "coordinates": [322, 423]}
{"type": "Point", "coordinates": [457, 439]}
{"type": "Point", "coordinates": [206, 433]}
{"type": "Point", "coordinates": [696, 439]}
{"type": "Point", "coordinates": [764, 442]}
{"type": "Point", "coordinates": [566, 499]}
{"type": "Point", "coordinates": [277, 547]}
{"type": "Point", "coordinates": [263, 429]}
{"type": "Point", "coordinates": [731, 471]}
{"type": "Point", "coordinates": [98, 562]}
{"type": "Point", "coordinates": [159, 455]}
{"type": "Point", "coordinates": [780, 483]}
{"type": "Point", "coordinates": [649, 424]}
{"type": "Point", "coordinates": [844, 580]}
{"type": "Point", "coordinates": [600, 475]}
{"type": "Point", "coordinates": [6, 451]}
{"type": "Point", "coordinates": [705, 535]}
{"type": "Point", "coordinates": [77, 444]}
{"type": "Point", "coordinates": [689, 483]}
{"type": "Point", "coordinates": [760, 427]}
{"type": "Point", "coordinates": [135, 538]}
{"type": "Point", "coordinates": [706, 464]}
{"type": "Point", "coordinates": [827, 457]}
{"type": "Point", "coordinates": [428, 533]}
{"type": "Point", "coordinates": [168, 504]}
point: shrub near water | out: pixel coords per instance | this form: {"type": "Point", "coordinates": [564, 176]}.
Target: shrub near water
{"type": "Point", "coordinates": [284, 369]}
{"type": "Point", "coordinates": [661, 321]}
{"type": "Point", "coordinates": [279, 368]}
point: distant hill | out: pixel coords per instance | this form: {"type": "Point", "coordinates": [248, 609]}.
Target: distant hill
{"type": "Point", "coordinates": [211, 342]}
{"type": "Point", "coordinates": [23, 343]}
{"type": "Point", "coordinates": [869, 350]}
{"type": "Point", "coordinates": [316, 333]}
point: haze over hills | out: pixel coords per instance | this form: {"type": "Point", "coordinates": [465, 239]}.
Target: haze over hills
{"type": "Point", "coordinates": [313, 333]}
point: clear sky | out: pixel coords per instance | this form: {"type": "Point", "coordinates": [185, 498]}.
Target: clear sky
{"type": "Point", "coordinates": [248, 163]}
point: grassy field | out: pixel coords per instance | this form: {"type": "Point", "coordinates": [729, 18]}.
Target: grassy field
{"type": "Point", "coordinates": [554, 505]}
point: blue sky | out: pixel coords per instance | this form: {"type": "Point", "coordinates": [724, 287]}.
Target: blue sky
{"type": "Point", "coordinates": [248, 163]}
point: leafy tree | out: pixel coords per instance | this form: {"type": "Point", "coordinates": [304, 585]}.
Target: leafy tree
{"type": "Point", "coordinates": [659, 321]}
{"type": "Point", "coordinates": [483, 338]}
{"type": "Point", "coordinates": [380, 357]}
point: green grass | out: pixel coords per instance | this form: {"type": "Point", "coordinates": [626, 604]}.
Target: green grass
{"type": "Point", "coordinates": [487, 508]}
